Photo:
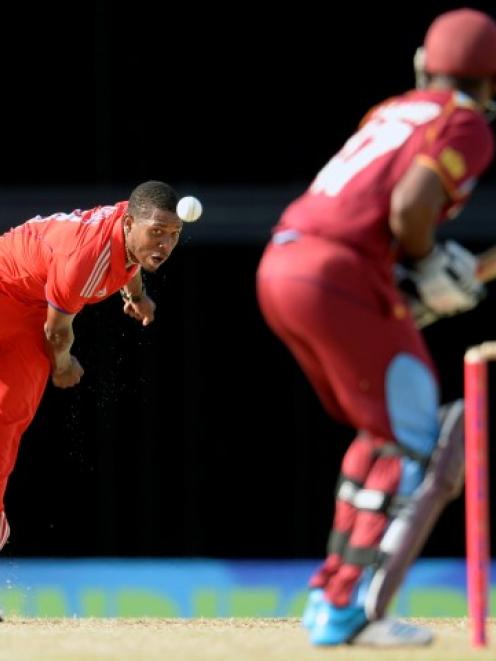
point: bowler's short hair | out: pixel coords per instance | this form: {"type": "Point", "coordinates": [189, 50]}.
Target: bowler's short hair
{"type": "Point", "coordinates": [152, 195]}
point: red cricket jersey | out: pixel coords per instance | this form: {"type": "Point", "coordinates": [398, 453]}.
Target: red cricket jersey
{"type": "Point", "coordinates": [66, 260]}
{"type": "Point", "coordinates": [349, 199]}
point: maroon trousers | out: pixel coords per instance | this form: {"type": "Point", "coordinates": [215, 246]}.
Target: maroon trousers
{"type": "Point", "coordinates": [342, 318]}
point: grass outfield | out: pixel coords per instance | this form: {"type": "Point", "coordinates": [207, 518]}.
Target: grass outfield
{"type": "Point", "coordinates": [220, 639]}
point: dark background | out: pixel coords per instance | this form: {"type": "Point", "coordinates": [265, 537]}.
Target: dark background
{"type": "Point", "coordinates": [197, 436]}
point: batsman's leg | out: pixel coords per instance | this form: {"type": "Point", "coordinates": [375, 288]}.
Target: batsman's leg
{"type": "Point", "coordinates": [354, 470]}
{"type": "Point", "coordinates": [407, 533]}
{"type": "Point", "coordinates": [412, 401]}
{"type": "Point", "coordinates": [413, 523]}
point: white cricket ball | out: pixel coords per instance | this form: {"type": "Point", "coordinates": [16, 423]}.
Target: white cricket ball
{"type": "Point", "coordinates": [189, 209]}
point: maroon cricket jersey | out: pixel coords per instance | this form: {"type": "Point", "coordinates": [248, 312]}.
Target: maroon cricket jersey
{"type": "Point", "coordinates": [349, 200]}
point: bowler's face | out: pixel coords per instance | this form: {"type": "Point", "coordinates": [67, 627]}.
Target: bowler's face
{"type": "Point", "coordinates": [151, 240]}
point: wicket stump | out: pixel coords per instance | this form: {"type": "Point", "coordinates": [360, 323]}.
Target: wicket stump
{"type": "Point", "coordinates": [476, 486]}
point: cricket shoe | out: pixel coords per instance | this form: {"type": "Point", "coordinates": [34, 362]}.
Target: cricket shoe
{"type": "Point", "coordinates": [314, 601]}
{"type": "Point", "coordinates": [335, 626]}
{"type": "Point", "coordinates": [389, 632]}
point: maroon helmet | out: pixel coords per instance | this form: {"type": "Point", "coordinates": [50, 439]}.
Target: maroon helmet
{"type": "Point", "coordinates": [461, 43]}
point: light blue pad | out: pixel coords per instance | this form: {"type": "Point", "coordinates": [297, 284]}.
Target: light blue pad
{"type": "Point", "coordinates": [412, 400]}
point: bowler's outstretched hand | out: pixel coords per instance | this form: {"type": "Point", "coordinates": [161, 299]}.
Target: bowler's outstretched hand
{"type": "Point", "coordinates": [70, 376]}
{"type": "Point", "coordinates": [143, 310]}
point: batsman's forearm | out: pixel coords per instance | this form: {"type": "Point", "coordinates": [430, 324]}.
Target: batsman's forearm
{"type": "Point", "coordinates": [413, 232]}
{"type": "Point", "coordinates": [486, 265]}
{"type": "Point", "coordinates": [415, 206]}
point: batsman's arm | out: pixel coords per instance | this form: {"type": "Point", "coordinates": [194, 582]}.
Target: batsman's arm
{"type": "Point", "coordinates": [486, 265]}
{"type": "Point", "coordinates": [416, 203]}
{"type": "Point", "coordinates": [59, 337]}
{"type": "Point", "coordinates": [443, 280]}
{"type": "Point", "coordinates": [423, 315]}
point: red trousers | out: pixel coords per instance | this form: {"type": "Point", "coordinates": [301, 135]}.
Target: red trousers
{"type": "Point", "coordinates": [24, 371]}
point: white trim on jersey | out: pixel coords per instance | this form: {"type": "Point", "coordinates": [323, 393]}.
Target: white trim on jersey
{"type": "Point", "coordinates": [96, 274]}
{"type": "Point", "coordinates": [76, 216]}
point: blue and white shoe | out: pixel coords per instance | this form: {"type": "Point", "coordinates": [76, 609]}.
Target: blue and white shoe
{"type": "Point", "coordinates": [335, 626]}
{"type": "Point", "coordinates": [314, 601]}
{"type": "Point", "coordinates": [389, 632]}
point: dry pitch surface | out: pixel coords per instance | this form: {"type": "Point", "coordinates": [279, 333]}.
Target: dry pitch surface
{"type": "Point", "coordinates": [202, 640]}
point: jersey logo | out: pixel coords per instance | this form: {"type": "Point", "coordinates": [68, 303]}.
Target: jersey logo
{"type": "Point", "coordinates": [101, 292]}
{"type": "Point", "coordinates": [453, 162]}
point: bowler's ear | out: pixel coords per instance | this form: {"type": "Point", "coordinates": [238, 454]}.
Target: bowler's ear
{"type": "Point", "coordinates": [127, 221]}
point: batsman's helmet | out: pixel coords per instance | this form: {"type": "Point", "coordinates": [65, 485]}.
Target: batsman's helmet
{"type": "Point", "coordinates": [461, 43]}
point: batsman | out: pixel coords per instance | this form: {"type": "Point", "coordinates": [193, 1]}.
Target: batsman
{"type": "Point", "coordinates": [327, 287]}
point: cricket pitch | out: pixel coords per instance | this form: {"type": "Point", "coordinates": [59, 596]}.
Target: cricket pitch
{"type": "Point", "coordinates": [236, 639]}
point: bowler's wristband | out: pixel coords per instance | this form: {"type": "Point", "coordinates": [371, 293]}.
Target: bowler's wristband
{"type": "Point", "coordinates": [132, 298]}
